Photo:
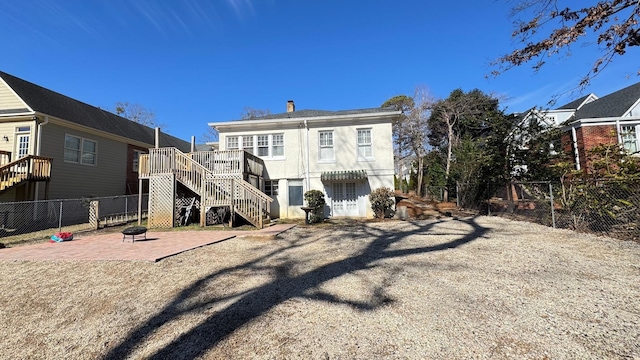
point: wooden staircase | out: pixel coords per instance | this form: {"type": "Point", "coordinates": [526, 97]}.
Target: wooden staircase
{"type": "Point", "coordinates": [28, 168]}
{"type": "Point", "coordinates": [218, 180]}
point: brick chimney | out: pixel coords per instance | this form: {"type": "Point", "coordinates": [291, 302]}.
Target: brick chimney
{"type": "Point", "coordinates": [291, 107]}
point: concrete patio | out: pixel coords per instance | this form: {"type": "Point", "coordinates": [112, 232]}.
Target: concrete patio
{"type": "Point", "coordinates": [157, 246]}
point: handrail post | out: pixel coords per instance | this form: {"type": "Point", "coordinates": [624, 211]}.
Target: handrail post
{"type": "Point", "coordinates": [231, 206]}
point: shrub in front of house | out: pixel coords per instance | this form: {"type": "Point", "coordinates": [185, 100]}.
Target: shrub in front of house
{"type": "Point", "coordinates": [382, 200]}
{"type": "Point", "coordinates": [315, 199]}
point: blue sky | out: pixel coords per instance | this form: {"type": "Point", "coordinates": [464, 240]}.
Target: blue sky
{"type": "Point", "coordinates": [199, 61]}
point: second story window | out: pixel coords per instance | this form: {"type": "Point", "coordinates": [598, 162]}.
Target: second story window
{"type": "Point", "coordinates": [232, 143]}
{"type": "Point", "coordinates": [325, 141]}
{"type": "Point", "coordinates": [263, 145]}
{"type": "Point", "coordinates": [365, 150]}
{"type": "Point", "coordinates": [247, 143]}
{"type": "Point", "coordinates": [277, 145]}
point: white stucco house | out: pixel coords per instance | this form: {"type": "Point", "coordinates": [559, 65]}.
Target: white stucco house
{"type": "Point", "coordinates": [345, 154]}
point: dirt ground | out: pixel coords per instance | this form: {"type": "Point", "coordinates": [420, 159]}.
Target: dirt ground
{"type": "Point", "coordinates": [458, 288]}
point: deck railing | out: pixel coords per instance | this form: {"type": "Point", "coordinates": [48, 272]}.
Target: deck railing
{"type": "Point", "coordinates": [248, 201]}
{"type": "Point", "coordinates": [219, 163]}
{"type": "Point", "coordinates": [35, 168]}
{"type": "Point", "coordinates": [208, 174]}
{"type": "Point", "coordinates": [229, 162]}
{"type": "Point", "coordinates": [5, 157]}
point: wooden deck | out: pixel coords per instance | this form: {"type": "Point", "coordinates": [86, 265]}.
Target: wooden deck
{"type": "Point", "coordinates": [28, 168]}
{"type": "Point", "coordinates": [219, 178]}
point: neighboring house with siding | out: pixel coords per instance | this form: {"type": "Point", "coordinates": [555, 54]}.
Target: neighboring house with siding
{"type": "Point", "coordinates": [89, 151]}
{"type": "Point", "coordinates": [535, 122]}
{"type": "Point", "coordinates": [345, 154]}
{"type": "Point", "coordinates": [611, 119]}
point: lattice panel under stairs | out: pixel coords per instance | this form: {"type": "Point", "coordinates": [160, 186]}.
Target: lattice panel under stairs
{"type": "Point", "coordinates": [183, 203]}
{"type": "Point", "coordinates": [162, 189]}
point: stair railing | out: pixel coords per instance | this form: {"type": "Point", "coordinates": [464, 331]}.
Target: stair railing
{"type": "Point", "coordinates": [30, 167]}
{"type": "Point", "coordinates": [215, 189]}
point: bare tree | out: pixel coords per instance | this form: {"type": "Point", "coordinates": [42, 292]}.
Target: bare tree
{"type": "Point", "coordinates": [136, 113]}
{"type": "Point", "coordinates": [418, 129]}
{"type": "Point", "coordinates": [410, 129]}
{"type": "Point", "coordinates": [252, 113]}
{"type": "Point", "coordinates": [211, 135]}
{"type": "Point", "coordinates": [552, 29]}
{"type": "Point", "coordinates": [248, 113]}
{"type": "Point", "coordinates": [401, 151]}
{"type": "Point", "coordinates": [461, 114]}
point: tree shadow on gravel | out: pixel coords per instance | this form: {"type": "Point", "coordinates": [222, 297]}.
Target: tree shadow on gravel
{"type": "Point", "coordinates": [251, 304]}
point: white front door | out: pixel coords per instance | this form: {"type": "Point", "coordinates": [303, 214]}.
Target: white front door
{"type": "Point", "coordinates": [22, 145]}
{"type": "Point", "coordinates": [344, 200]}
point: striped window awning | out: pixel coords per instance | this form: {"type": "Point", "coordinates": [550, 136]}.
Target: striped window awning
{"type": "Point", "coordinates": [357, 175]}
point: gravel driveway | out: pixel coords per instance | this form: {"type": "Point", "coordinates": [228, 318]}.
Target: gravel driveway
{"type": "Point", "coordinates": [470, 288]}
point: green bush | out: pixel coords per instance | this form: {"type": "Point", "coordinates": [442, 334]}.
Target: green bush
{"type": "Point", "coordinates": [382, 199]}
{"type": "Point", "coordinates": [315, 199]}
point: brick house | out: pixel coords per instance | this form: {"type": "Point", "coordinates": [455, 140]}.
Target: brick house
{"type": "Point", "coordinates": [611, 119]}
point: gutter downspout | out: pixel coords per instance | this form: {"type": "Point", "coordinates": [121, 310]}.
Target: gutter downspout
{"type": "Point", "coordinates": [619, 131]}
{"type": "Point", "coordinates": [574, 139]}
{"type": "Point", "coordinates": [307, 146]}
{"type": "Point", "coordinates": [39, 149]}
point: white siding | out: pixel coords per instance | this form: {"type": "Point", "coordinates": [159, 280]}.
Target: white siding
{"type": "Point", "coordinates": [8, 129]}
{"type": "Point", "coordinates": [8, 99]}
{"type": "Point", "coordinates": [293, 165]}
{"type": "Point", "coordinates": [635, 110]}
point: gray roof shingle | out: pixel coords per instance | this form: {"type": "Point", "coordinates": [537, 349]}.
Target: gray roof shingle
{"type": "Point", "coordinates": [574, 104]}
{"type": "Point", "coordinates": [612, 105]}
{"type": "Point", "coordinates": [319, 113]}
{"type": "Point", "coordinates": [55, 104]}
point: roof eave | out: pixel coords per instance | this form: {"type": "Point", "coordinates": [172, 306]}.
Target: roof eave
{"type": "Point", "coordinates": [601, 121]}
{"type": "Point", "coordinates": [309, 119]}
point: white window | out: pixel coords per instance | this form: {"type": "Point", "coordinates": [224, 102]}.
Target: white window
{"type": "Point", "coordinates": [247, 143]}
{"type": "Point", "coordinates": [232, 143]}
{"type": "Point", "coordinates": [630, 139]}
{"type": "Point", "coordinates": [136, 160]}
{"type": "Point", "coordinates": [325, 141]}
{"type": "Point", "coordinates": [550, 119]}
{"type": "Point", "coordinates": [277, 145]}
{"type": "Point", "coordinates": [263, 145]}
{"type": "Point", "coordinates": [80, 150]}
{"type": "Point", "coordinates": [364, 144]}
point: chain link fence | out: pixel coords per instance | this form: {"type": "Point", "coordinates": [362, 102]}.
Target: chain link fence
{"type": "Point", "coordinates": [434, 193]}
{"type": "Point", "coordinates": [31, 220]}
{"type": "Point", "coordinates": [605, 207]}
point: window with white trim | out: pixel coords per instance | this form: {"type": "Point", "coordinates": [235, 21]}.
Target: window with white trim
{"type": "Point", "coordinates": [629, 138]}
{"type": "Point", "coordinates": [247, 143]}
{"type": "Point", "coordinates": [325, 143]}
{"type": "Point", "coordinates": [277, 145]}
{"type": "Point", "coordinates": [263, 145]}
{"type": "Point", "coordinates": [80, 150]}
{"type": "Point", "coordinates": [365, 150]}
{"type": "Point", "coordinates": [232, 143]}
{"type": "Point", "coordinates": [550, 119]}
